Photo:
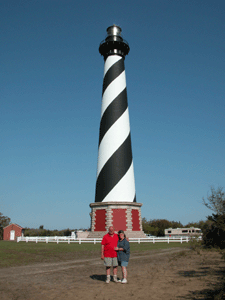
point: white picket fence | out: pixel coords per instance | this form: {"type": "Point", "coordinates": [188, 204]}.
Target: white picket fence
{"type": "Point", "coordinates": [65, 239]}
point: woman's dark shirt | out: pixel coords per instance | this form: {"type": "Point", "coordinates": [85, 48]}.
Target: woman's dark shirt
{"type": "Point", "coordinates": [125, 254]}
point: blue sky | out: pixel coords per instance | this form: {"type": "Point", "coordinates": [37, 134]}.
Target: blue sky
{"type": "Point", "coordinates": [50, 106]}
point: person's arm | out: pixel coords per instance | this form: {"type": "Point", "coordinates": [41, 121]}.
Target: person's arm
{"type": "Point", "coordinates": [126, 247]}
{"type": "Point", "coordinates": [102, 252]}
{"type": "Point", "coordinates": [119, 249]}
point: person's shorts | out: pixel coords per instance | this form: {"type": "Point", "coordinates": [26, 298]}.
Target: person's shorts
{"type": "Point", "coordinates": [110, 261]}
{"type": "Point", "coordinates": [123, 263]}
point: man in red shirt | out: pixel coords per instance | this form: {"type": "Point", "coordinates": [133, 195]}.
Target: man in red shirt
{"type": "Point", "coordinates": [109, 255]}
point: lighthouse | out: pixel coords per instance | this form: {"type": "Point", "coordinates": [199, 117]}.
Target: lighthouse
{"type": "Point", "coordinates": [115, 196]}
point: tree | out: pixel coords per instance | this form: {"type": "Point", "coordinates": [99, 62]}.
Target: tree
{"type": "Point", "coordinates": [147, 228]}
{"type": "Point", "coordinates": [214, 233]}
{"type": "Point", "coordinates": [67, 232]}
{"type": "Point", "coordinates": [175, 224]}
{"type": "Point", "coordinates": [161, 225]}
{"type": "Point", "coordinates": [216, 201]}
{"type": "Point", "coordinates": [4, 221]}
{"type": "Point", "coordinates": [157, 226]}
{"type": "Point", "coordinates": [200, 224]}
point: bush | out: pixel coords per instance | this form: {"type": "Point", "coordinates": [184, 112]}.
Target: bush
{"type": "Point", "coordinates": [214, 234]}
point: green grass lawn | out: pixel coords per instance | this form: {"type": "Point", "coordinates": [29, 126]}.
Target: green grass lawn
{"type": "Point", "coordinates": [17, 254]}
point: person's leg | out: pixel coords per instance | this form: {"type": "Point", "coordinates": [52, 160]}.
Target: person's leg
{"type": "Point", "coordinates": [108, 263]}
{"type": "Point", "coordinates": [115, 265]}
{"type": "Point", "coordinates": [115, 279]}
{"type": "Point", "coordinates": [124, 271]}
{"type": "Point", "coordinates": [107, 271]}
{"type": "Point", "coordinates": [115, 271]}
{"type": "Point", "coordinates": [107, 274]}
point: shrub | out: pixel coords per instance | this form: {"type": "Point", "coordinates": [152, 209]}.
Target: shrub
{"type": "Point", "coordinates": [214, 234]}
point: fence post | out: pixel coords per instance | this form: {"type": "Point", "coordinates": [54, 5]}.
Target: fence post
{"type": "Point", "coordinates": [138, 241]}
{"type": "Point", "coordinates": [46, 239]}
{"type": "Point", "coordinates": [68, 241]}
{"type": "Point", "coordinates": [57, 240]}
{"type": "Point", "coordinates": [168, 240]}
{"type": "Point", "coordinates": [181, 240]}
{"type": "Point", "coordinates": [94, 241]}
{"type": "Point", "coordinates": [79, 241]}
{"type": "Point", "coordinates": [153, 240]}
{"type": "Point", "coordinates": [36, 240]}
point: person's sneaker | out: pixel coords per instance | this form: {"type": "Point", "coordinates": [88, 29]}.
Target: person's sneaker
{"type": "Point", "coordinates": [107, 280]}
{"type": "Point", "coordinates": [124, 280]}
{"type": "Point", "coordinates": [115, 279]}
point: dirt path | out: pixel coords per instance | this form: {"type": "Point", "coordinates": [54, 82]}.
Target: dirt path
{"type": "Point", "coordinates": [166, 274]}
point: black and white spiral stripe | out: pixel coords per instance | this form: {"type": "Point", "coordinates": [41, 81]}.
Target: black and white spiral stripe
{"type": "Point", "coordinates": [115, 173]}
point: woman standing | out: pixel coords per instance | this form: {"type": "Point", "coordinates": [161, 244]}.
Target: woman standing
{"type": "Point", "coordinates": [123, 254]}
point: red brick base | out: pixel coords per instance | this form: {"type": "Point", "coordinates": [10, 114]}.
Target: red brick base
{"type": "Point", "coordinates": [120, 215]}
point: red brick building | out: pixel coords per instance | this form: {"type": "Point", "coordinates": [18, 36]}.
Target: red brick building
{"type": "Point", "coordinates": [11, 232]}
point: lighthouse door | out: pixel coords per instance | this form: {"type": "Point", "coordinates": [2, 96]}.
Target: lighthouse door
{"type": "Point", "coordinates": [12, 235]}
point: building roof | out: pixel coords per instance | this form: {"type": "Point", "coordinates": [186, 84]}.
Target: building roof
{"type": "Point", "coordinates": [13, 224]}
